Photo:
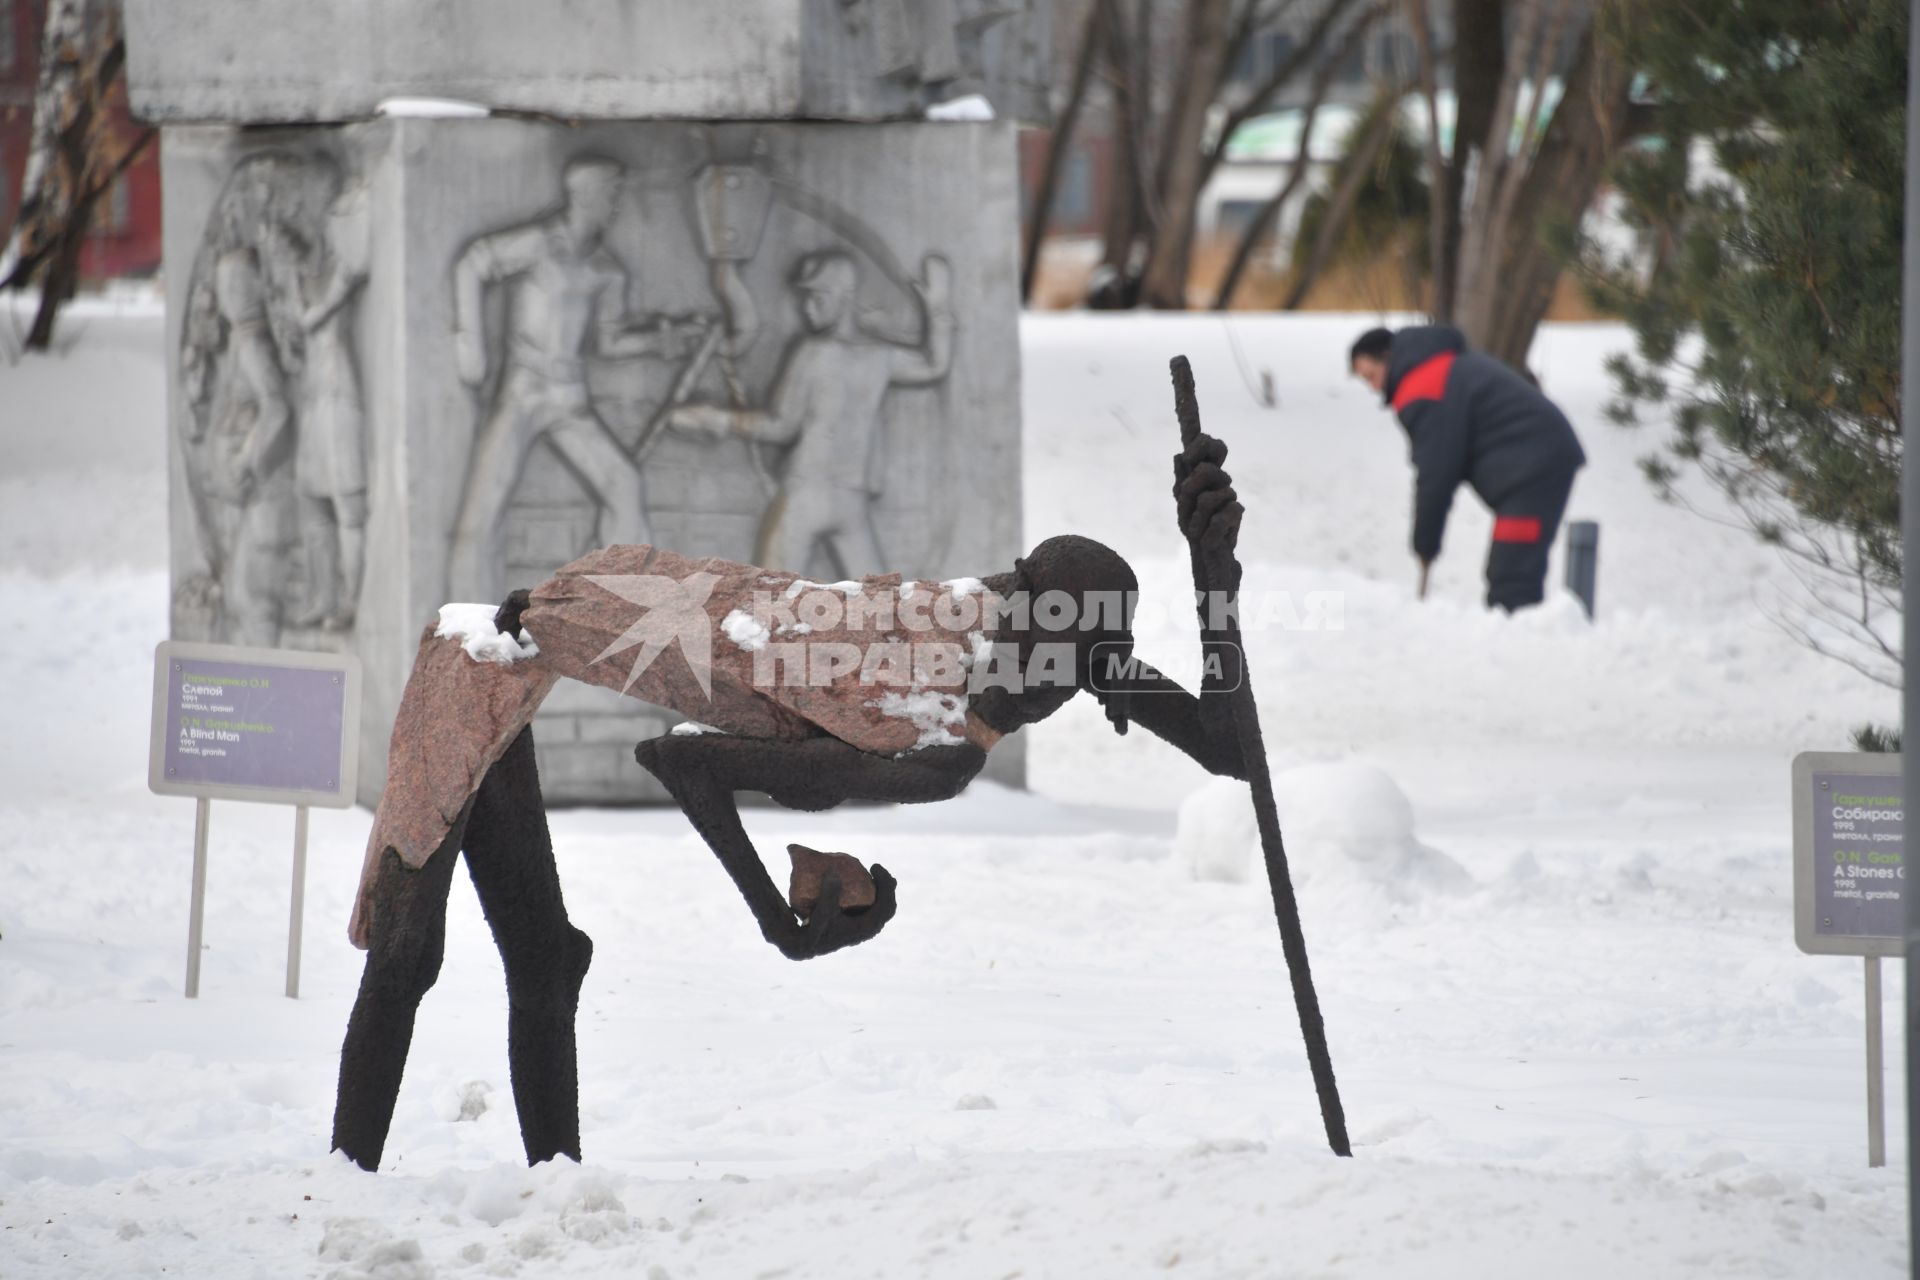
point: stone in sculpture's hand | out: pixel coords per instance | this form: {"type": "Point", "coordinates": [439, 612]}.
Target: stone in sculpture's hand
{"type": "Point", "coordinates": [830, 928]}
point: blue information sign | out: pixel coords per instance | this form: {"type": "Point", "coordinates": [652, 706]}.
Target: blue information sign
{"type": "Point", "coordinates": [272, 725]}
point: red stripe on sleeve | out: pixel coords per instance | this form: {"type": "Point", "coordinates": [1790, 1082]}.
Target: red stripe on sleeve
{"type": "Point", "coordinates": [1425, 381]}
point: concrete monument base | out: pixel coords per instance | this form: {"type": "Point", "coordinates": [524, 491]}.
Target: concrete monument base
{"type": "Point", "coordinates": [428, 359]}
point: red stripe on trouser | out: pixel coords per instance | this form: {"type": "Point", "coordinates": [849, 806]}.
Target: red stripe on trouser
{"type": "Point", "coordinates": [1516, 529]}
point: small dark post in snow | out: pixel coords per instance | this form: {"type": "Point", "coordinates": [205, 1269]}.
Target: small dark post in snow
{"type": "Point", "coordinates": [1583, 561]}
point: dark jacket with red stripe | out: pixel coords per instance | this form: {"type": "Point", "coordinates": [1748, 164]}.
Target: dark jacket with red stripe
{"type": "Point", "coordinates": [1469, 417]}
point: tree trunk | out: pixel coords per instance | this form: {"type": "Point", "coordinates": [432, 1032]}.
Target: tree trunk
{"type": "Point", "coordinates": [1209, 28]}
{"type": "Point", "coordinates": [71, 165]}
{"type": "Point", "coordinates": [1479, 54]}
{"type": "Point", "coordinates": [54, 98]}
{"type": "Point", "coordinates": [1585, 132]}
{"type": "Point", "coordinates": [1479, 229]}
{"type": "Point", "coordinates": [57, 285]}
{"type": "Point", "coordinates": [1059, 146]}
{"type": "Point", "coordinates": [1440, 201]}
{"type": "Point", "coordinates": [1126, 206]}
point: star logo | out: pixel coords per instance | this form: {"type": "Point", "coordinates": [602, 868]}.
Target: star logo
{"type": "Point", "coordinates": [673, 611]}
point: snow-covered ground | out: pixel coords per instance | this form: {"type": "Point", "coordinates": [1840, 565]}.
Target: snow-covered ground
{"type": "Point", "coordinates": [1543, 865]}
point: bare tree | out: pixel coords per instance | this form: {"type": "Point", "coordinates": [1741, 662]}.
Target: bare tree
{"type": "Point", "coordinates": [1059, 145]}
{"type": "Point", "coordinates": [1171, 134]}
{"type": "Point", "coordinates": [1516, 163]}
{"type": "Point", "coordinates": [1209, 28]}
{"type": "Point", "coordinates": [74, 157]}
{"type": "Point", "coordinates": [1268, 214]}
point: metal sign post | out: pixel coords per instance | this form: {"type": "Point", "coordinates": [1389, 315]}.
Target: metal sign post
{"type": "Point", "coordinates": [196, 911]}
{"type": "Point", "coordinates": [1849, 881]}
{"type": "Point", "coordinates": [273, 726]}
{"type": "Point", "coordinates": [296, 916]}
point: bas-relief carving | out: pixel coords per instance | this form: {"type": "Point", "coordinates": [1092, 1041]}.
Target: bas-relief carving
{"type": "Point", "coordinates": [273, 433]}
{"type": "Point", "coordinates": [567, 302]}
{"type": "Point", "coordinates": [809, 434]}
{"type": "Point", "coordinates": [826, 408]}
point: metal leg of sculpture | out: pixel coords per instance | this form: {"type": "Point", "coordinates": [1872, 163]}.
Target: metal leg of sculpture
{"type": "Point", "coordinates": [403, 959]}
{"type": "Point", "coordinates": [510, 857]}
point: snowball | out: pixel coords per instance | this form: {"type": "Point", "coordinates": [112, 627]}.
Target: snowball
{"type": "Point", "coordinates": [1351, 819]}
{"type": "Point", "coordinates": [472, 625]}
{"type": "Point", "coordinates": [1215, 835]}
{"type": "Point", "coordinates": [1345, 822]}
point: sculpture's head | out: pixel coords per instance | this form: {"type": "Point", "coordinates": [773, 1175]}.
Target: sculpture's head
{"type": "Point", "coordinates": [1072, 625]}
{"type": "Point", "coordinates": [593, 190]}
{"type": "Point", "coordinates": [827, 282]}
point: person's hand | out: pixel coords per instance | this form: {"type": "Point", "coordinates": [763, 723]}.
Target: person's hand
{"type": "Point", "coordinates": [830, 928]}
{"type": "Point", "coordinates": [700, 420]}
{"type": "Point", "coordinates": [678, 339]}
{"type": "Point", "coordinates": [1209, 510]}
{"type": "Point", "coordinates": [469, 358]}
{"type": "Point", "coordinates": [935, 285]}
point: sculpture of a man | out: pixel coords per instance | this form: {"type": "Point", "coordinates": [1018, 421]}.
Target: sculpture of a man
{"type": "Point", "coordinates": [331, 466]}
{"type": "Point", "coordinates": [568, 304]}
{"type": "Point", "coordinates": [462, 780]}
{"type": "Point", "coordinates": [827, 405]}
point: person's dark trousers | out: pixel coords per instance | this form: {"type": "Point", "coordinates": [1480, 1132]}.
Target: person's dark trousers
{"type": "Point", "coordinates": [1523, 533]}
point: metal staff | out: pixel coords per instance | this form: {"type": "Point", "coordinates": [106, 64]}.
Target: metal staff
{"type": "Point", "coordinates": [1253, 754]}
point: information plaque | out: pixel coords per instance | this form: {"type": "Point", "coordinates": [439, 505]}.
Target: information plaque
{"type": "Point", "coordinates": [274, 726]}
{"type": "Point", "coordinates": [1849, 851]}
{"type": "Point", "coordinates": [277, 726]}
